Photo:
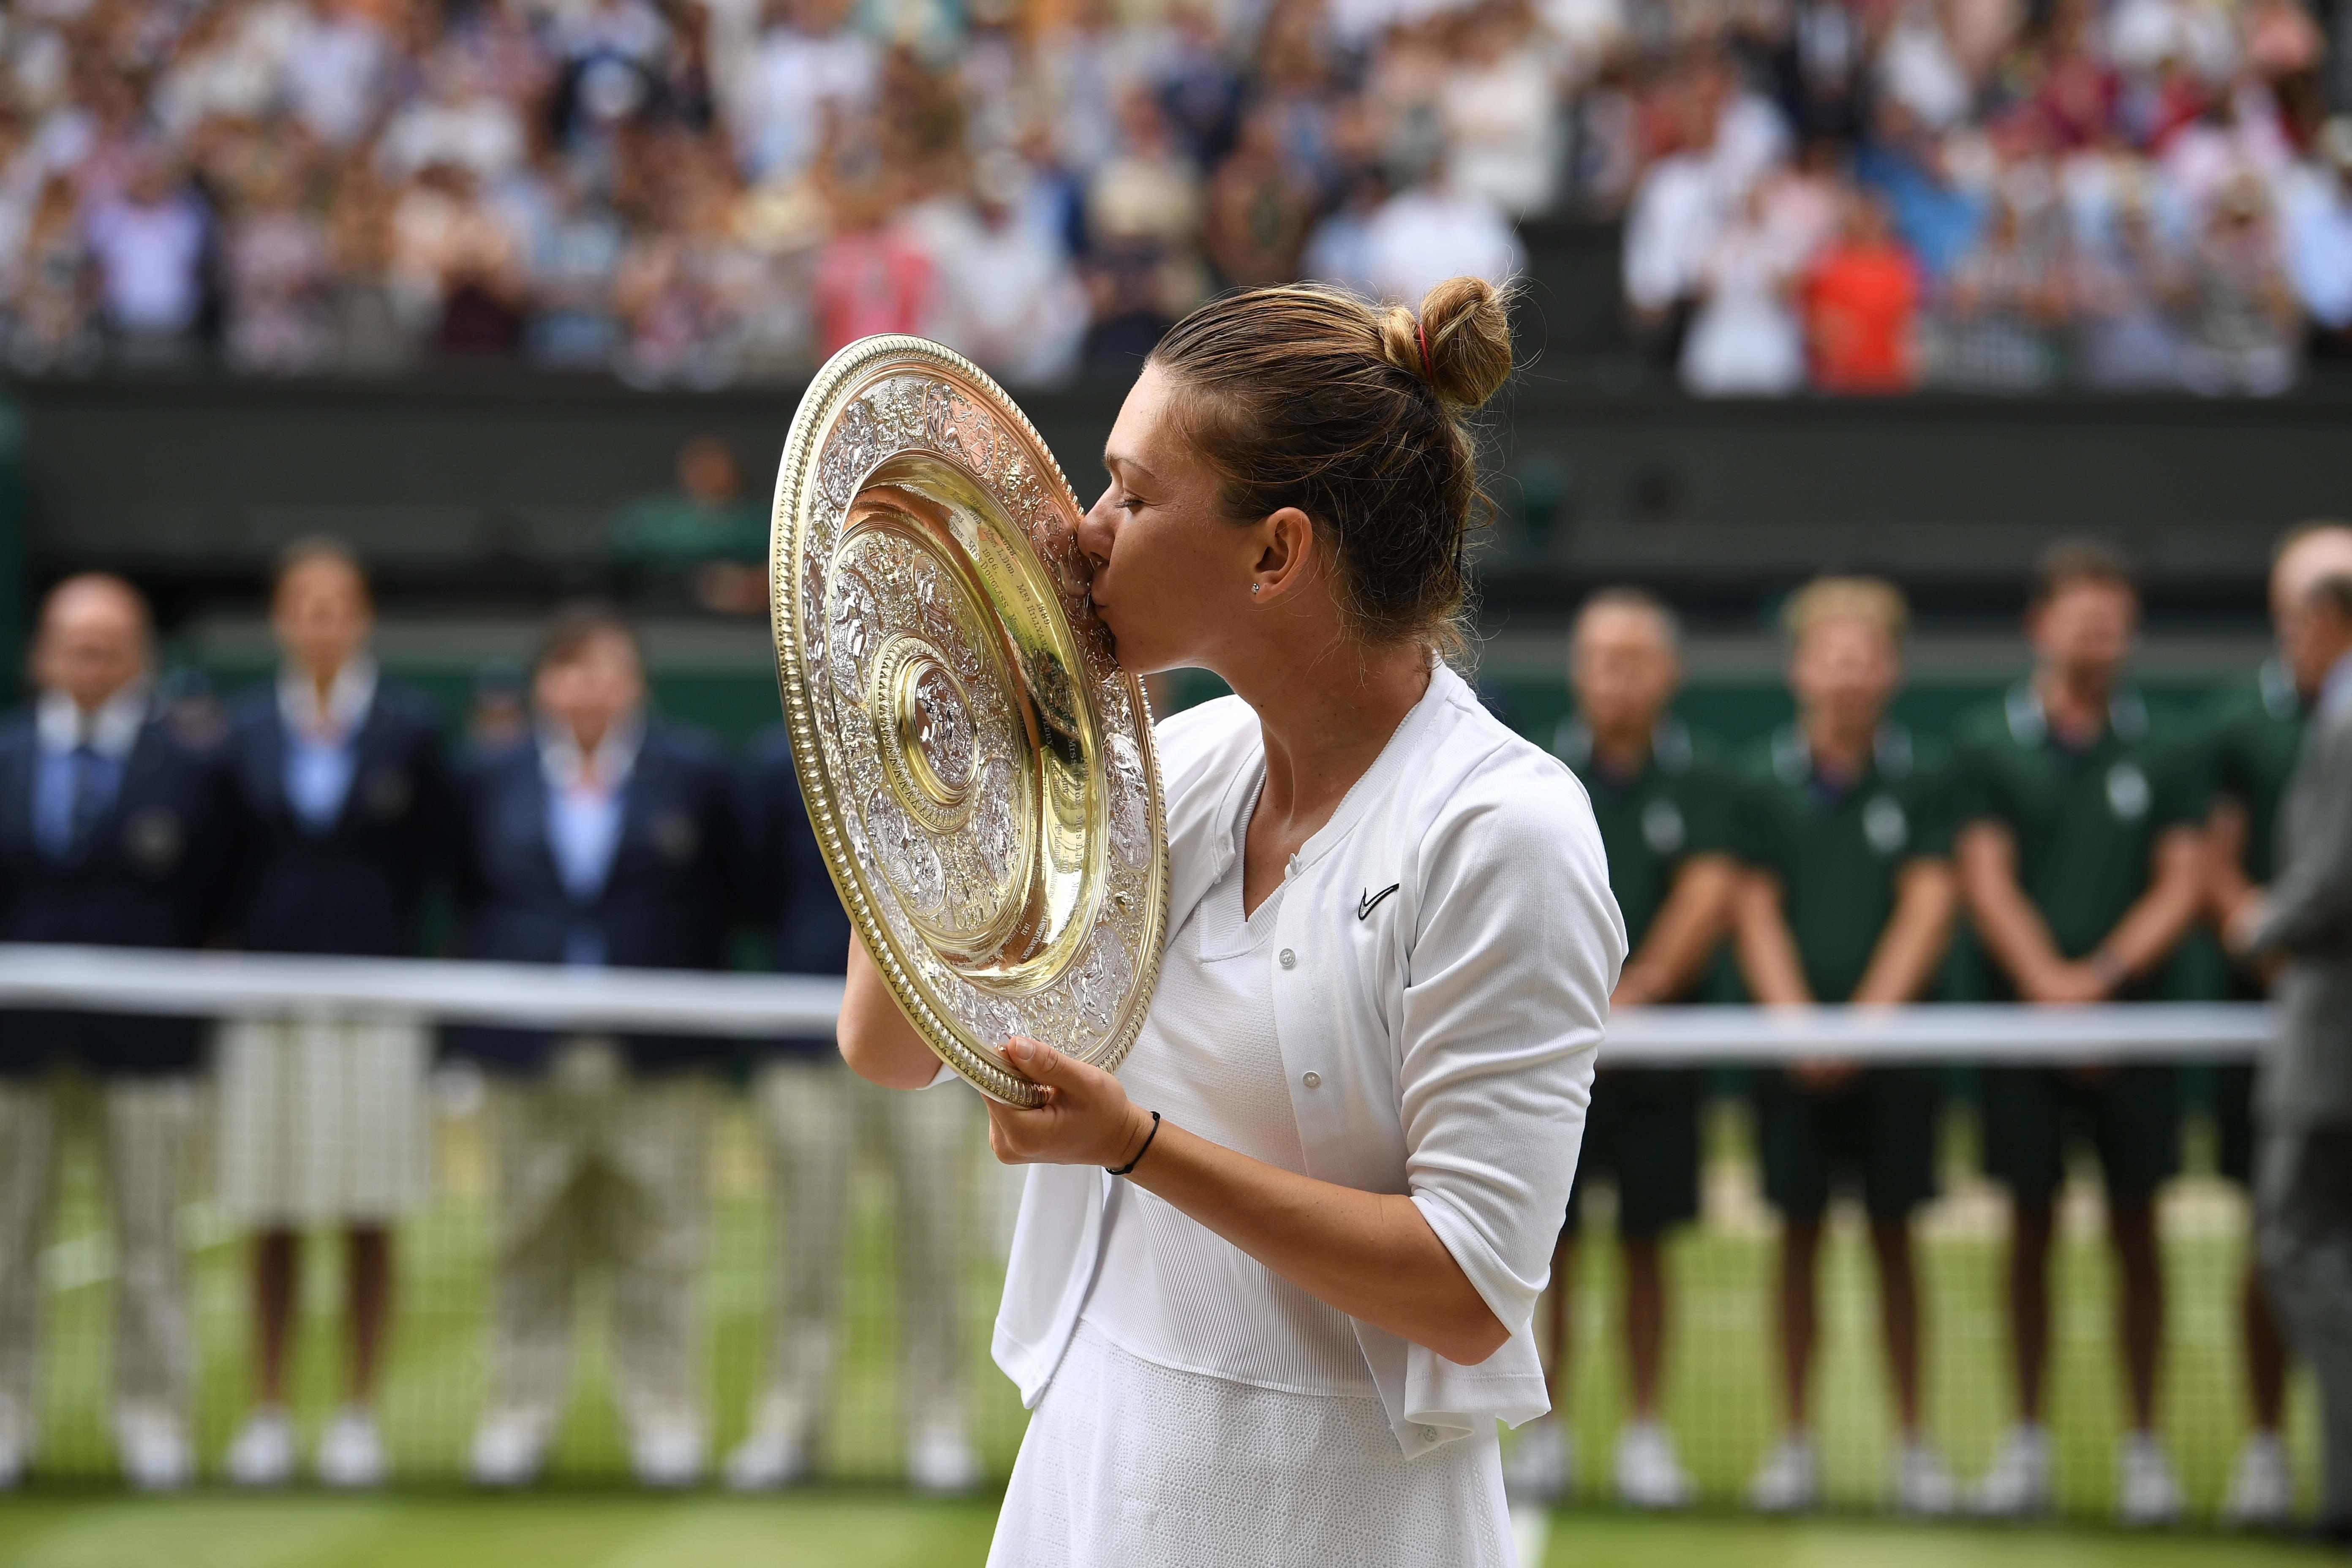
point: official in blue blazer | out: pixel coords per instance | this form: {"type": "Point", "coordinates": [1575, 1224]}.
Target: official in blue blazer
{"type": "Point", "coordinates": [113, 828]}
{"type": "Point", "coordinates": [341, 796]}
{"type": "Point", "coordinates": [814, 1116]}
{"type": "Point", "coordinates": [600, 840]}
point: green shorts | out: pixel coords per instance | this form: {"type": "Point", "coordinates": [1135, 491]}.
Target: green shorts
{"type": "Point", "coordinates": [1642, 1132]}
{"type": "Point", "coordinates": [2129, 1115]}
{"type": "Point", "coordinates": [1877, 1128]}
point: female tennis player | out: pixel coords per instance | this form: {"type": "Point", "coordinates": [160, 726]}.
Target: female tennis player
{"type": "Point", "coordinates": [1283, 1326]}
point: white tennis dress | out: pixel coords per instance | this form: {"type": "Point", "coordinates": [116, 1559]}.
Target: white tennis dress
{"type": "Point", "coordinates": [1191, 1407]}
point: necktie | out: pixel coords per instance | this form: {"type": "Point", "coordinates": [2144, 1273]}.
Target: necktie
{"type": "Point", "coordinates": [81, 815]}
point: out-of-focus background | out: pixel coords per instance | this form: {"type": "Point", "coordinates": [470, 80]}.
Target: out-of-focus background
{"type": "Point", "coordinates": [516, 297]}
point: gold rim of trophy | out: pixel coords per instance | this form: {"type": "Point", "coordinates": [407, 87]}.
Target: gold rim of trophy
{"type": "Point", "coordinates": [977, 766]}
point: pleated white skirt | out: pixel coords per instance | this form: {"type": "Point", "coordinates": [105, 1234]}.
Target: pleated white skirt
{"type": "Point", "coordinates": [1127, 1462]}
{"type": "Point", "coordinates": [323, 1119]}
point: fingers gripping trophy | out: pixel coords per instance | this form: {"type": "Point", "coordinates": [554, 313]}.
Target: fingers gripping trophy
{"type": "Point", "coordinates": [1289, 1005]}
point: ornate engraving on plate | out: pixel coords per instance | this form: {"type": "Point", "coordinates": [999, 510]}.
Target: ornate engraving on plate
{"type": "Point", "coordinates": [977, 765]}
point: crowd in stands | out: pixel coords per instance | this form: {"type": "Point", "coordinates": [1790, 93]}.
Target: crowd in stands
{"type": "Point", "coordinates": [1850, 194]}
{"type": "Point", "coordinates": [2140, 194]}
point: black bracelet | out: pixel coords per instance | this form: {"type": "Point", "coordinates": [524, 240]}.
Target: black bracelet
{"type": "Point", "coordinates": [1147, 1137]}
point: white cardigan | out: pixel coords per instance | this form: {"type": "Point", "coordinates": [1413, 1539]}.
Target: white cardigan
{"type": "Point", "coordinates": [1439, 1041]}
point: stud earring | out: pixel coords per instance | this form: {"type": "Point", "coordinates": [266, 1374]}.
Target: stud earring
{"type": "Point", "coordinates": [1255, 587]}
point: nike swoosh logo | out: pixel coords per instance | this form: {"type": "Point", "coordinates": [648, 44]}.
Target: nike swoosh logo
{"type": "Point", "coordinates": [1370, 901]}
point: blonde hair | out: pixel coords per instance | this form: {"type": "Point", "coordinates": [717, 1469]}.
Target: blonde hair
{"type": "Point", "coordinates": [1872, 599]}
{"type": "Point", "coordinates": [1358, 416]}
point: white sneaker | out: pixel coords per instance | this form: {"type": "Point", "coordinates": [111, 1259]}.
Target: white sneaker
{"type": "Point", "coordinates": [667, 1454]}
{"type": "Point", "coordinates": [155, 1449]}
{"type": "Point", "coordinates": [1923, 1482]}
{"type": "Point", "coordinates": [1649, 1475]}
{"type": "Point", "coordinates": [940, 1462]}
{"type": "Point", "coordinates": [1541, 1467]}
{"type": "Point", "coordinates": [2018, 1481]}
{"type": "Point", "coordinates": [2146, 1491]}
{"type": "Point", "coordinates": [507, 1452]}
{"type": "Point", "coordinates": [351, 1453]}
{"type": "Point", "coordinates": [767, 1460]}
{"type": "Point", "coordinates": [2262, 1489]}
{"type": "Point", "coordinates": [1790, 1479]}
{"type": "Point", "coordinates": [263, 1453]}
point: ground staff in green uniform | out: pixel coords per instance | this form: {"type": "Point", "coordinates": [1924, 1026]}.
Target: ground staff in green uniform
{"type": "Point", "coordinates": [2255, 734]}
{"type": "Point", "coordinates": [1847, 896]}
{"type": "Point", "coordinates": [1660, 804]}
{"type": "Point", "coordinates": [2081, 862]}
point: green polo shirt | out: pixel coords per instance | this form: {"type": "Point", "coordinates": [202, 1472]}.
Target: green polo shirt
{"type": "Point", "coordinates": [2086, 823]}
{"type": "Point", "coordinates": [2253, 733]}
{"type": "Point", "coordinates": [1675, 808]}
{"type": "Point", "coordinates": [1838, 851]}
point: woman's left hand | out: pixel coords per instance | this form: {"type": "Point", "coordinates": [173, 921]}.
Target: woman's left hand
{"type": "Point", "coordinates": [1086, 1119]}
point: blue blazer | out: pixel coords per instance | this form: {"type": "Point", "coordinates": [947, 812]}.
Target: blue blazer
{"type": "Point", "coordinates": [787, 889]}
{"type": "Point", "coordinates": [359, 887]}
{"type": "Point", "coordinates": [156, 875]}
{"type": "Point", "coordinates": [665, 905]}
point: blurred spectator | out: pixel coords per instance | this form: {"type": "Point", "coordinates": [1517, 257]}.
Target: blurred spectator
{"type": "Point", "coordinates": [456, 269]}
{"type": "Point", "coordinates": [1936, 215]}
{"type": "Point", "coordinates": [1003, 289]}
{"type": "Point", "coordinates": [2318, 240]}
{"type": "Point", "coordinates": [2128, 296]}
{"type": "Point", "coordinates": [1143, 213]}
{"type": "Point", "coordinates": [46, 300]}
{"type": "Point", "coordinates": [339, 65]}
{"type": "Point", "coordinates": [612, 67]}
{"type": "Point", "coordinates": [372, 335]}
{"type": "Point", "coordinates": [1499, 107]}
{"type": "Point", "coordinates": [810, 63]}
{"type": "Point", "coordinates": [2005, 298]}
{"type": "Point", "coordinates": [706, 540]}
{"type": "Point", "coordinates": [872, 276]}
{"type": "Point", "coordinates": [461, 124]}
{"type": "Point", "coordinates": [1260, 207]}
{"type": "Point", "coordinates": [2244, 328]}
{"type": "Point", "coordinates": [280, 266]}
{"type": "Point", "coordinates": [578, 250]}
{"type": "Point", "coordinates": [1745, 339]}
{"type": "Point", "coordinates": [149, 243]}
{"type": "Point", "coordinates": [1861, 303]}
{"type": "Point", "coordinates": [1429, 232]}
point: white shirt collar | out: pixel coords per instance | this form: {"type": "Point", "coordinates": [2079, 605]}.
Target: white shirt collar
{"type": "Point", "coordinates": [347, 700]}
{"type": "Point", "coordinates": [562, 765]}
{"type": "Point", "coordinates": [111, 731]}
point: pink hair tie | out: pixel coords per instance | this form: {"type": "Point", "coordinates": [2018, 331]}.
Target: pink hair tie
{"type": "Point", "coordinates": [1421, 334]}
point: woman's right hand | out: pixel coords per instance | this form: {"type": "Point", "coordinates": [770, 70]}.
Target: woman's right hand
{"type": "Point", "coordinates": [875, 1039]}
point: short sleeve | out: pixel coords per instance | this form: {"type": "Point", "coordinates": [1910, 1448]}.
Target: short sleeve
{"type": "Point", "coordinates": [1518, 945]}
{"type": "Point", "coordinates": [1930, 808]}
{"type": "Point", "coordinates": [1752, 829]}
{"type": "Point", "coordinates": [2183, 770]}
{"type": "Point", "coordinates": [1711, 804]}
{"type": "Point", "coordinates": [1972, 790]}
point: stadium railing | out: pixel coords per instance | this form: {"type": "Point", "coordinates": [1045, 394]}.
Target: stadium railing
{"type": "Point", "coordinates": [1721, 1402]}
